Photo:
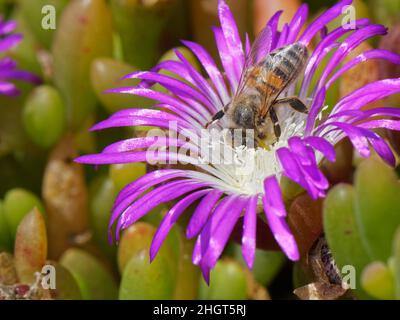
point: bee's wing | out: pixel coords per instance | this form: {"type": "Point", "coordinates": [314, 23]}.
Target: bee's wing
{"type": "Point", "coordinates": [276, 79]}
{"type": "Point", "coordinates": [257, 53]}
{"type": "Point", "coordinates": [275, 85]}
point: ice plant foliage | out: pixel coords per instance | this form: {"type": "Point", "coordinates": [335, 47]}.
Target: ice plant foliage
{"type": "Point", "coordinates": [8, 67]}
{"type": "Point", "coordinates": [225, 191]}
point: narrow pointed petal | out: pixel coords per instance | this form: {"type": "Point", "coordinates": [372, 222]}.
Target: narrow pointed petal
{"type": "Point", "coordinates": [277, 224]}
{"type": "Point", "coordinates": [153, 199]}
{"type": "Point", "coordinates": [321, 21]}
{"type": "Point", "coordinates": [226, 59]}
{"type": "Point", "coordinates": [203, 240]}
{"type": "Point", "coordinates": [249, 232]}
{"type": "Point", "coordinates": [221, 228]}
{"type": "Point", "coordinates": [371, 54]}
{"type": "Point", "coordinates": [209, 65]}
{"type": "Point", "coordinates": [231, 35]}
{"type": "Point", "coordinates": [170, 218]}
{"type": "Point", "coordinates": [297, 23]}
{"type": "Point", "coordinates": [323, 146]}
{"type": "Point", "coordinates": [202, 212]}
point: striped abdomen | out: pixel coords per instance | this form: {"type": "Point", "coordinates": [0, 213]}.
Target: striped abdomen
{"type": "Point", "coordinates": [280, 68]}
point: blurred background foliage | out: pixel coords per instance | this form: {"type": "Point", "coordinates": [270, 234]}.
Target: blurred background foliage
{"type": "Point", "coordinates": [54, 211]}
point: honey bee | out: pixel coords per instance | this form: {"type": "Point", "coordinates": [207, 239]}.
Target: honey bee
{"type": "Point", "coordinates": [261, 83]}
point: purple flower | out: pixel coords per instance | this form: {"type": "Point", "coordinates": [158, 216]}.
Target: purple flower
{"type": "Point", "coordinates": [225, 192]}
{"type": "Point", "coordinates": [8, 67]}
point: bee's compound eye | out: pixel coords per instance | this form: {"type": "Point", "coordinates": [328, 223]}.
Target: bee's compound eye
{"type": "Point", "coordinates": [244, 116]}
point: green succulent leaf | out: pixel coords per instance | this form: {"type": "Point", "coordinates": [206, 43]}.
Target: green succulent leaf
{"type": "Point", "coordinates": [102, 195]}
{"type": "Point", "coordinates": [17, 204]}
{"type": "Point", "coordinates": [94, 280]}
{"type": "Point", "coordinates": [227, 282]}
{"type": "Point", "coordinates": [107, 73]}
{"type": "Point", "coordinates": [83, 34]}
{"type": "Point", "coordinates": [396, 258]}
{"type": "Point", "coordinates": [377, 280]}
{"type": "Point", "coordinates": [377, 206]}
{"type": "Point", "coordinates": [44, 116]}
{"type": "Point", "coordinates": [36, 14]}
{"type": "Point", "coordinates": [342, 233]}
{"type": "Point", "coordinates": [66, 286]}
{"type": "Point", "coordinates": [140, 25]}
{"type": "Point", "coordinates": [141, 279]}
{"type": "Point", "coordinates": [266, 264]}
{"type": "Point", "coordinates": [5, 236]}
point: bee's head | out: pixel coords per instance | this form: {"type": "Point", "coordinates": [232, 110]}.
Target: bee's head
{"type": "Point", "coordinates": [244, 115]}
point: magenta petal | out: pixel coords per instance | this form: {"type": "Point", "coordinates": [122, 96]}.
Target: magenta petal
{"type": "Point", "coordinates": [231, 35]}
{"type": "Point", "coordinates": [203, 240]}
{"type": "Point", "coordinates": [10, 41]}
{"type": "Point", "coordinates": [282, 235]}
{"type": "Point", "coordinates": [128, 121]}
{"type": "Point", "coordinates": [263, 43]}
{"type": "Point", "coordinates": [20, 75]}
{"type": "Point", "coordinates": [369, 93]}
{"type": "Point", "coordinates": [385, 123]}
{"type": "Point", "coordinates": [222, 224]}
{"type": "Point", "coordinates": [136, 188]}
{"type": "Point", "coordinates": [7, 27]}
{"type": "Point", "coordinates": [283, 37]}
{"type": "Point", "coordinates": [274, 195]}
{"type": "Point", "coordinates": [371, 54]}
{"type": "Point", "coordinates": [247, 47]}
{"type": "Point", "coordinates": [153, 199]}
{"type": "Point", "coordinates": [205, 271]}
{"type": "Point", "coordinates": [9, 89]}
{"type": "Point", "coordinates": [383, 150]}
{"type": "Point", "coordinates": [323, 20]}
{"type": "Point", "coordinates": [201, 82]}
{"type": "Point", "coordinates": [146, 142]}
{"type": "Point", "coordinates": [163, 157]}
{"type": "Point", "coordinates": [358, 139]}
{"type": "Point", "coordinates": [273, 26]}
{"type": "Point", "coordinates": [202, 212]}
{"type": "Point", "coordinates": [226, 59]}
{"type": "Point", "coordinates": [297, 23]}
{"type": "Point", "coordinates": [298, 147]}
{"type": "Point", "coordinates": [7, 63]}
{"type": "Point", "coordinates": [133, 193]}
{"type": "Point", "coordinates": [323, 146]}
{"type": "Point", "coordinates": [278, 226]}
{"type": "Point", "coordinates": [177, 105]}
{"type": "Point", "coordinates": [349, 44]}
{"type": "Point", "coordinates": [388, 112]}
{"type": "Point", "coordinates": [175, 86]}
{"type": "Point", "coordinates": [175, 67]}
{"type": "Point", "coordinates": [293, 171]}
{"type": "Point", "coordinates": [249, 232]}
{"type": "Point", "coordinates": [209, 65]}
{"type": "Point", "coordinates": [170, 218]}
{"type": "Point", "coordinates": [315, 109]}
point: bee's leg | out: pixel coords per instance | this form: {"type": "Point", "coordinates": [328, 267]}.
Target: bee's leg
{"type": "Point", "coordinates": [216, 117]}
{"type": "Point", "coordinates": [275, 121]}
{"type": "Point", "coordinates": [294, 103]}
